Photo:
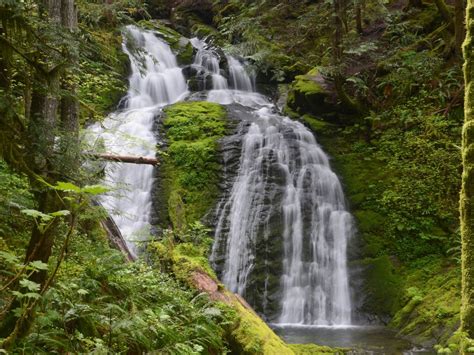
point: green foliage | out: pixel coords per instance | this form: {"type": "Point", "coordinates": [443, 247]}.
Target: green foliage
{"type": "Point", "coordinates": [107, 305]}
{"type": "Point", "coordinates": [14, 196]}
{"type": "Point", "coordinates": [101, 73]}
{"type": "Point", "coordinates": [313, 349]}
{"type": "Point", "coordinates": [191, 165]}
{"type": "Point", "coordinates": [112, 14]}
{"type": "Point", "coordinates": [403, 186]}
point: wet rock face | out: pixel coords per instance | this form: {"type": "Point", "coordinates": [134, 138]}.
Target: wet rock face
{"type": "Point", "coordinates": [263, 282]}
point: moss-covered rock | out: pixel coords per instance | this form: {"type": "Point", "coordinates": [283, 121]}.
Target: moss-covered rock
{"type": "Point", "coordinates": [430, 302]}
{"type": "Point", "coordinates": [191, 166]}
{"type": "Point", "coordinates": [310, 93]}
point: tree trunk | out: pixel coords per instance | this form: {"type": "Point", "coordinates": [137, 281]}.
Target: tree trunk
{"type": "Point", "coordinates": [124, 158]}
{"type": "Point", "coordinates": [444, 11]}
{"type": "Point", "coordinates": [459, 30]}
{"type": "Point", "coordinates": [467, 189]}
{"type": "Point", "coordinates": [358, 12]}
{"type": "Point", "coordinates": [69, 111]}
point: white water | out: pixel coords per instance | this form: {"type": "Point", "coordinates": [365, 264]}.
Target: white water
{"type": "Point", "coordinates": [314, 283]}
{"type": "Point", "coordinates": [317, 227]}
{"type": "Point", "coordinates": [155, 81]}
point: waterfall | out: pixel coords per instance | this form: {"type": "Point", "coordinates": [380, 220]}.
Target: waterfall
{"type": "Point", "coordinates": [284, 218]}
{"type": "Point", "coordinates": [284, 173]}
{"type": "Point", "coordinates": [155, 81]}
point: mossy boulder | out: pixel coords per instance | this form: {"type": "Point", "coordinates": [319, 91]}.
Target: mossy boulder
{"type": "Point", "coordinates": [191, 170]}
{"type": "Point", "coordinates": [310, 93]}
{"type": "Point", "coordinates": [382, 286]}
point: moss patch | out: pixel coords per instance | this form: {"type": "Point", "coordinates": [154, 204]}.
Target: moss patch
{"type": "Point", "coordinates": [382, 286]}
{"type": "Point", "coordinates": [431, 301]}
{"type": "Point", "coordinates": [190, 167]}
{"type": "Point", "coordinates": [313, 349]}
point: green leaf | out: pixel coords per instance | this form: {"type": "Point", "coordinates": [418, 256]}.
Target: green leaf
{"type": "Point", "coordinates": [30, 285]}
{"type": "Point", "coordinates": [60, 213]}
{"type": "Point", "coordinates": [32, 295]}
{"type": "Point", "coordinates": [83, 292]}
{"type": "Point", "coordinates": [17, 294]}
{"type": "Point", "coordinates": [95, 189]}
{"type": "Point", "coordinates": [37, 214]}
{"type": "Point", "coordinates": [67, 187]}
{"type": "Point", "coordinates": [9, 257]}
{"type": "Point", "coordinates": [39, 265]}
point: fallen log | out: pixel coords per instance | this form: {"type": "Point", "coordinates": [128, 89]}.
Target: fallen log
{"type": "Point", "coordinates": [115, 237]}
{"type": "Point", "coordinates": [124, 158]}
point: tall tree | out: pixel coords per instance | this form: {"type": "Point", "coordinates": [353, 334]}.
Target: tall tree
{"type": "Point", "coordinates": [467, 190]}
{"type": "Point", "coordinates": [459, 27]}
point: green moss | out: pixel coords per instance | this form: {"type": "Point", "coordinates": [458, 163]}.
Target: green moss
{"type": "Point", "coordinates": [189, 258]}
{"type": "Point", "coordinates": [313, 349]}
{"type": "Point", "coordinates": [202, 30]}
{"type": "Point", "coordinates": [316, 125]}
{"type": "Point", "coordinates": [431, 301]}
{"type": "Point", "coordinates": [382, 285]}
{"type": "Point", "coordinates": [254, 336]}
{"type": "Point", "coordinates": [167, 33]}
{"type": "Point", "coordinates": [368, 221]}
{"type": "Point", "coordinates": [306, 85]}
{"type": "Point", "coordinates": [190, 167]}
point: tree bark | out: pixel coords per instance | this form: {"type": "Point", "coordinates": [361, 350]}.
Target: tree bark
{"type": "Point", "coordinates": [467, 188]}
{"type": "Point", "coordinates": [459, 29]}
{"type": "Point", "coordinates": [444, 11]}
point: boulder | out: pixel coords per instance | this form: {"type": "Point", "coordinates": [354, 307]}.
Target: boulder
{"type": "Point", "coordinates": [311, 93]}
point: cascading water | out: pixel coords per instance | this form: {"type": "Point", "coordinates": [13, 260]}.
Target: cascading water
{"type": "Point", "coordinates": [284, 175]}
{"type": "Point", "coordinates": [283, 180]}
{"type": "Point", "coordinates": [156, 80]}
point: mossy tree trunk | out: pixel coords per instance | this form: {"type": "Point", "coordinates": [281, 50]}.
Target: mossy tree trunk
{"type": "Point", "coordinates": [444, 11]}
{"type": "Point", "coordinates": [459, 30]}
{"type": "Point", "coordinates": [467, 190]}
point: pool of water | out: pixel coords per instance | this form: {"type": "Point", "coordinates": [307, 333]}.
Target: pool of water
{"type": "Point", "coordinates": [363, 339]}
